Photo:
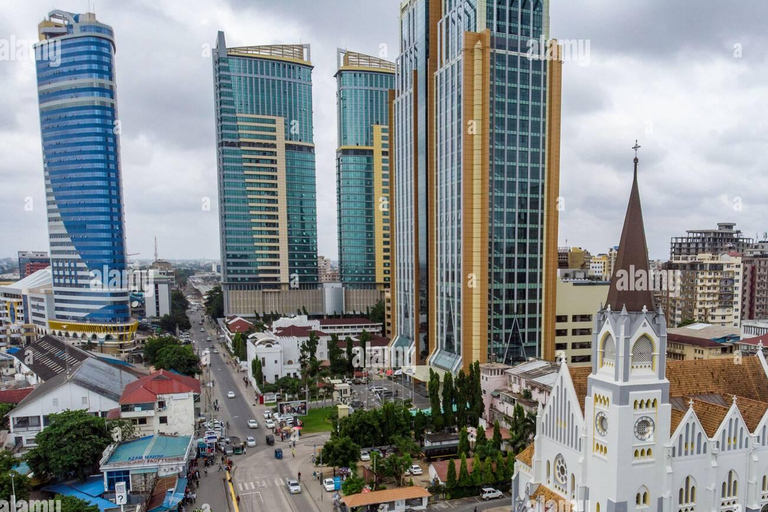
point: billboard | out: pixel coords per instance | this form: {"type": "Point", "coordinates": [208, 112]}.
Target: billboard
{"type": "Point", "coordinates": [295, 408]}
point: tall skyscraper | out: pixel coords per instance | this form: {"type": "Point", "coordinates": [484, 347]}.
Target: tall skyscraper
{"type": "Point", "coordinates": [266, 169]}
{"type": "Point", "coordinates": [363, 169]}
{"type": "Point", "coordinates": [476, 180]}
{"type": "Point", "coordinates": [77, 95]}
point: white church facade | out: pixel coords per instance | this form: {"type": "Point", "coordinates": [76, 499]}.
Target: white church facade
{"type": "Point", "coordinates": [637, 433]}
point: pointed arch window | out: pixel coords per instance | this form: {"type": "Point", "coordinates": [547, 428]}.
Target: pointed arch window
{"type": "Point", "coordinates": [642, 353]}
{"type": "Point", "coordinates": [686, 499]}
{"type": "Point", "coordinates": [729, 489]}
{"type": "Point", "coordinates": [643, 497]}
{"type": "Point", "coordinates": [609, 351]}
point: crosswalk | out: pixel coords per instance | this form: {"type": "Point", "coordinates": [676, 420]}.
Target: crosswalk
{"type": "Point", "coordinates": [261, 483]}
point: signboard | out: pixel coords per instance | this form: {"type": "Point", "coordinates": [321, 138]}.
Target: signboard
{"type": "Point", "coordinates": [296, 408]}
{"type": "Point", "coordinates": [121, 493]}
{"type": "Point", "coordinates": [336, 483]}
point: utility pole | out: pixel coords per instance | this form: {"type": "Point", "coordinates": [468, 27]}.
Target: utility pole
{"type": "Point", "coordinates": [13, 493]}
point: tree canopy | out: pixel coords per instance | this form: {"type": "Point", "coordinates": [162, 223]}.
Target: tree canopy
{"type": "Point", "coordinates": [179, 358]}
{"type": "Point", "coordinates": [73, 504]}
{"type": "Point", "coordinates": [214, 303]}
{"type": "Point", "coordinates": [340, 452]}
{"type": "Point", "coordinates": [20, 482]}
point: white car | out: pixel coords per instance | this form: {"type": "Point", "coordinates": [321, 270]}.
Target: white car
{"type": "Point", "coordinates": [253, 424]}
{"type": "Point", "coordinates": [329, 484]}
{"type": "Point", "coordinates": [376, 389]}
{"type": "Point", "coordinates": [202, 329]}
{"type": "Point", "coordinates": [269, 423]}
{"type": "Point", "coordinates": [489, 493]}
{"type": "Point", "coordinates": [289, 420]}
{"type": "Point", "coordinates": [267, 414]}
{"type": "Point", "coordinates": [365, 456]}
{"type": "Point", "coordinates": [230, 394]}
{"type": "Point", "coordinates": [250, 441]}
{"type": "Point", "coordinates": [294, 487]}
{"type": "Point", "coordinates": [414, 470]}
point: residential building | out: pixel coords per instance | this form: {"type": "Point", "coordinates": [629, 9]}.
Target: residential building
{"type": "Point", "coordinates": [163, 402]}
{"type": "Point", "coordinates": [681, 348]}
{"type": "Point", "coordinates": [577, 300]}
{"type": "Point", "coordinates": [341, 326]}
{"type": "Point", "coordinates": [598, 267]}
{"type": "Point", "coordinates": [25, 307]}
{"type": "Point", "coordinates": [45, 358]}
{"type": "Point", "coordinates": [280, 351]}
{"type": "Point", "coordinates": [83, 182]}
{"type": "Point", "coordinates": [32, 261]}
{"type": "Point", "coordinates": [91, 385]}
{"type": "Point", "coordinates": [363, 85]}
{"type": "Point", "coordinates": [725, 239]}
{"type": "Point", "coordinates": [573, 258]}
{"type": "Point", "coordinates": [754, 287]}
{"type": "Point", "coordinates": [326, 272]}
{"type": "Point", "coordinates": [476, 141]}
{"type": "Point", "coordinates": [705, 288]}
{"type": "Point", "coordinates": [637, 432]}
{"type": "Point", "coordinates": [150, 292]}
{"type": "Point", "coordinates": [750, 328]}
{"type": "Point", "coordinates": [527, 384]}
{"type": "Point", "coordinates": [266, 170]}
{"type": "Point", "coordinates": [140, 462]}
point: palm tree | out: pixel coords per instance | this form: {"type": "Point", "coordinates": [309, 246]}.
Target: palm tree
{"type": "Point", "coordinates": [523, 429]}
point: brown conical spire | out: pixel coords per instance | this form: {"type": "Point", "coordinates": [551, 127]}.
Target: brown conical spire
{"type": "Point", "coordinates": [631, 283]}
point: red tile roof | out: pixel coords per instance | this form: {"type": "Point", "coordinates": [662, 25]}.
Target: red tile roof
{"type": "Point", "coordinates": [690, 340]}
{"type": "Point", "coordinates": [297, 331]}
{"type": "Point", "coordinates": [237, 324]}
{"type": "Point", "coordinates": [14, 396]}
{"type": "Point", "coordinates": [345, 321]}
{"type": "Point", "coordinates": [754, 341]}
{"type": "Point", "coordinates": [161, 382]}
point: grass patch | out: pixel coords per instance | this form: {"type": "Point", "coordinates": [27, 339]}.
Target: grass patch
{"type": "Point", "coordinates": [318, 420]}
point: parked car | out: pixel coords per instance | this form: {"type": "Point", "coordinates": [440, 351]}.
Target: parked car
{"type": "Point", "coordinates": [269, 423]}
{"type": "Point", "coordinates": [253, 424]}
{"type": "Point", "coordinates": [270, 439]}
{"type": "Point", "coordinates": [267, 414]}
{"type": "Point", "coordinates": [230, 394]}
{"type": "Point", "coordinates": [356, 404]}
{"type": "Point", "coordinates": [294, 487]}
{"type": "Point", "coordinates": [365, 456]}
{"type": "Point", "coordinates": [329, 484]}
{"type": "Point", "coordinates": [489, 493]}
{"type": "Point", "coordinates": [414, 470]}
{"type": "Point", "coordinates": [377, 389]}
{"type": "Point", "coordinates": [386, 394]}
{"type": "Point", "coordinates": [215, 351]}
{"type": "Point", "coordinates": [202, 329]}
{"type": "Point", "coordinates": [250, 441]}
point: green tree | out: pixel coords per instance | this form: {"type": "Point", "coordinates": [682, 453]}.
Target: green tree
{"type": "Point", "coordinates": [350, 355]}
{"type": "Point", "coordinates": [464, 479]}
{"type": "Point", "coordinates": [477, 471]}
{"type": "Point", "coordinates": [477, 395]}
{"type": "Point", "coordinates": [308, 356]}
{"type": "Point", "coordinates": [502, 477]}
{"type": "Point", "coordinates": [496, 442]}
{"type": "Point", "coordinates": [376, 313]}
{"type": "Point", "coordinates": [256, 371]}
{"type": "Point", "coordinates": [489, 478]}
{"type": "Point", "coordinates": [395, 466]}
{"type": "Point", "coordinates": [420, 424]}
{"type": "Point", "coordinates": [460, 396]}
{"type": "Point", "coordinates": [73, 504]}
{"type": "Point", "coordinates": [363, 340]}
{"type": "Point", "coordinates": [463, 442]}
{"type": "Point", "coordinates": [480, 440]}
{"type": "Point", "coordinates": [523, 429]}
{"type": "Point", "coordinates": [448, 419]}
{"type": "Point", "coordinates": [122, 429]}
{"type": "Point", "coordinates": [153, 346]}
{"type": "Point", "coordinates": [434, 400]}
{"type": "Point", "coordinates": [510, 463]}
{"type": "Point", "coordinates": [4, 420]}
{"type": "Point", "coordinates": [214, 303]}
{"type": "Point", "coordinates": [179, 358]}
{"type": "Point", "coordinates": [450, 480]}
{"type": "Point", "coordinates": [353, 484]}
{"type": "Point", "coordinates": [341, 452]}
{"type": "Point", "coordinates": [337, 363]}
{"type": "Point", "coordinates": [70, 446]}
{"type": "Point", "coordinates": [20, 482]}
{"type": "Point", "coordinates": [170, 322]}
{"type": "Point", "coordinates": [239, 347]}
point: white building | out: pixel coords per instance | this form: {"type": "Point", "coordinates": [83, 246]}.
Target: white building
{"type": "Point", "coordinates": [25, 307]}
{"type": "Point", "coordinates": [162, 403]}
{"type": "Point", "coordinates": [91, 385]}
{"type": "Point", "coordinates": [155, 287]}
{"type": "Point", "coordinates": [279, 352]}
{"type": "Point", "coordinates": [341, 326]}
{"type": "Point", "coordinates": [637, 433]}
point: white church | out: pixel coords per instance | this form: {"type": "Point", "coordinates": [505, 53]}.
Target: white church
{"type": "Point", "coordinates": [637, 433]}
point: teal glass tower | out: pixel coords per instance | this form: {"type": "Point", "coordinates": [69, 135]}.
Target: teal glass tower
{"type": "Point", "coordinates": [363, 169]}
{"type": "Point", "coordinates": [266, 169]}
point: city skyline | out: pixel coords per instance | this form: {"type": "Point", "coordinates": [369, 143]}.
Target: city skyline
{"type": "Point", "coordinates": [624, 91]}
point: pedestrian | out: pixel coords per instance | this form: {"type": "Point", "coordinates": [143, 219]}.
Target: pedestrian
{"type": "Point", "coordinates": [221, 468]}
{"type": "Point", "coordinates": [206, 471]}
{"type": "Point", "coordinates": [293, 452]}
{"type": "Point", "coordinates": [299, 476]}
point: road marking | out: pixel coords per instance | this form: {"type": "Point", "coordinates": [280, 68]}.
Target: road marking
{"type": "Point", "coordinates": [279, 482]}
{"type": "Point", "coordinates": [239, 486]}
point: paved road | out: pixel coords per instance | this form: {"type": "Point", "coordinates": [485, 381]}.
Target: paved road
{"type": "Point", "coordinates": [259, 478]}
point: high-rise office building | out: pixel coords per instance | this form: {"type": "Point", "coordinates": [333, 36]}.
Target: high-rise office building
{"type": "Point", "coordinates": [266, 170]}
{"type": "Point", "coordinates": [363, 169]}
{"type": "Point", "coordinates": [477, 136]}
{"type": "Point", "coordinates": [79, 124]}
{"type": "Point", "coordinates": [32, 261]}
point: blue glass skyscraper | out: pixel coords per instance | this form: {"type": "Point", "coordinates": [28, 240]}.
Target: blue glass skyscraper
{"type": "Point", "coordinates": [81, 160]}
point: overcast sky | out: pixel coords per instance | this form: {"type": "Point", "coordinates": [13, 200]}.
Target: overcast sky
{"type": "Point", "coordinates": [689, 80]}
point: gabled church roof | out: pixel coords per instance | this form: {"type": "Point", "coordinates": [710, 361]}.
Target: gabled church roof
{"type": "Point", "coordinates": [632, 259]}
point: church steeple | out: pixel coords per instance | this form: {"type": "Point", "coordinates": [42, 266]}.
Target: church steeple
{"type": "Point", "coordinates": [631, 283]}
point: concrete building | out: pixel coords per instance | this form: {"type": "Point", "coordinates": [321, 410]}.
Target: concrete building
{"type": "Point", "coordinates": [92, 385]}
{"type": "Point", "coordinates": [755, 287]}
{"type": "Point", "coordinates": [280, 351]}
{"type": "Point", "coordinates": [577, 300]}
{"type": "Point", "coordinates": [682, 348]}
{"type": "Point", "coordinates": [32, 261]}
{"type": "Point", "coordinates": [364, 90]}
{"type": "Point", "coordinates": [726, 238]}
{"type": "Point", "coordinates": [266, 169]}
{"type": "Point", "coordinates": [163, 402]}
{"type": "Point", "coordinates": [25, 308]}
{"type": "Point", "coordinates": [598, 267]}
{"type": "Point", "coordinates": [340, 326]}
{"type": "Point", "coordinates": [151, 289]}
{"type": "Point", "coordinates": [83, 182]}
{"type": "Point", "coordinates": [704, 288]}
{"type": "Point", "coordinates": [325, 271]}
{"type": "Point", "coordinates": [751, 328]}
{"type": "Point", "coordinates": [637, 432]}
{"type": "Point", "coordinates": [573, 258]}
{"type": "Point", "coordinates": [476, 127]}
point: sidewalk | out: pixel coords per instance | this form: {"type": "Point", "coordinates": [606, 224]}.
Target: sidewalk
{"type": "Point", "coordinates": [212, 491]}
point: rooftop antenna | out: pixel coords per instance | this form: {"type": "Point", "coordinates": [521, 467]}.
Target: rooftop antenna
{"type": "Point", "coordinates": [155, 249]}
